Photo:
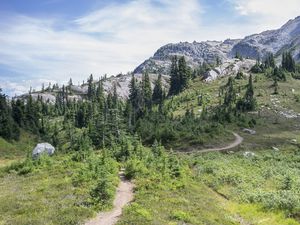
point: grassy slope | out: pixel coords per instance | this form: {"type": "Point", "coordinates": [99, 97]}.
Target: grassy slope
{"type": "Point", "coordinates": [45, 196]}
{"type": "Point", "coordinates": [197, 203]}
{"type": "Point", "coordinates": [15, 150]}
{"type": "Point", "coordinates": [57, 201]}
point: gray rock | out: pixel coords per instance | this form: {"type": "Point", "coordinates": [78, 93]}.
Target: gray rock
{"type": "Point", "coordinates": [230, 67]}
{"type": "Point", "coordinates": [275, 149]}
{"type": "Point", "coordinates": [249, 131]}
{"type": "Point", "coordinates": [248, 154]}
{"type": "Point", "coordinates": [43, 148]}
{"type": "Point", "coordinates": [194, 53]}
{"type": "Point", "coordinates": [273, 41]}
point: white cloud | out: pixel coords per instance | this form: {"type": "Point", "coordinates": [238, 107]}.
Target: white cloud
{"type": "Point", "coordinates": [17, 88]}
{"type": "Point", "coordinates": [110, 40]}
{"type": "Point", "coordinates": [268, 13]}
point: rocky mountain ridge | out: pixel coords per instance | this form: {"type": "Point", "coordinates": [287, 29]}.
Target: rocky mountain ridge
{"type": "Point", "coordinates": [286, 38]}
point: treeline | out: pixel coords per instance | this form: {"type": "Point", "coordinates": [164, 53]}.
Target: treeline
{"type": "Point", "coordinates": [102, 120]}
{"type": "Point", "coordinates": [269, 67]}
{"type": "Point", "coordinates": [17, 114]}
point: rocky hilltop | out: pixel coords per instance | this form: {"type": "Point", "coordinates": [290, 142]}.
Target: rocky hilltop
{"type": "Point", "coordinates": [79, 91]}
{"type": "Point", "coordinates": [286, 38]}
{"type": "Point", "coordinates": [195, 53]}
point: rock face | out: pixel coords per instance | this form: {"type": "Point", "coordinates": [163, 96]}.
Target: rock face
{"type": "Point", "coordinates": [194, 53]}
{"type": "Point", "coordinates": [274, 41]}
{"type": "Point", "coordinates": [258, 45]}
{"type": "Point", "coordinates": [43, 148]}
{"type": "Point", "coordinates": [230, 67]}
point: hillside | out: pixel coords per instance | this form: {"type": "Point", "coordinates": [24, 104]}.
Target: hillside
{"type": "Point", "coordinates": [206, 143]}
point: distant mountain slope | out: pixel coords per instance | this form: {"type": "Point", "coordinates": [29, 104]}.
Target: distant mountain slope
{"type": "Point", "coordinates": [195, 53]}
{"type": "Point", "coordinates": [287, 38]}
{"type": "Point", "coordinates": [275, 41]}
{"type": "Point", "coordinates": [79, 91]}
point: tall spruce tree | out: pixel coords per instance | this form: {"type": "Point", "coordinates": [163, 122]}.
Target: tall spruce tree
{"type": "Point", "coordinates": [184, 74]}
{"type": "Point", "coordinates": [147, 92]}
{"type": "Point", "coordinates": [174, 79]}
{"type": "Point", "coordinates": [157, 96]}
{"type": "Point", "coordinates": [288, 63]}
{"type": "Point", "coordinates": [8, 128]}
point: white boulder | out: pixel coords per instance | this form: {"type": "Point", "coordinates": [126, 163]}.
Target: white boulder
{"type": "Point", "coordinates": [43, 148]}
{"type": "Point", "coordinates": [249, 131]}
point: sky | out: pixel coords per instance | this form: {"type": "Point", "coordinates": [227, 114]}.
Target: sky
{"type": "Point", "coordinates": [44, 41]}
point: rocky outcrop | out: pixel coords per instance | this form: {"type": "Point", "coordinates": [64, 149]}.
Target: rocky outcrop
{"type": "Point", "coordinates": [194, 53]}
{"type": "Point", "coordinates": [274, 41]}
{"type": "Point", "coordinates": [229, 67]}
{"type": "Point", "coordinates": [287, 38]}
{"type": "Point", "coordinates": [43, 148]}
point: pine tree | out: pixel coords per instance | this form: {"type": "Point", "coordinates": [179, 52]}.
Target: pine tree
{"type": "Point", "coordinates": [8, 128]}
{"type": "Point", "coordinates": [269, 61]}
{"type": "Point", "coordinates": [91, 88]}
{"type": "Point", "coordinates": [147, 92]}
{"type": "Point", "coordinates": [157, 95]}
{"type": "Point", "coordinates": [184, 74]}
{"type": "Point", "coordinates": [288, 63]}
{"type": "Point", "coordinates": [248, 103]}
{"type": "Point", "coordinates": [18, 112]}
{"type": "Point", "coordinates": [174, 80]}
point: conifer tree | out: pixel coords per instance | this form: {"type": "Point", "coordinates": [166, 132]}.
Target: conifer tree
{"type": "Point", "coordinates": [174, 80]}
{"type": "Point", "coordinates": [184, 74]}
{"type": "Point", "coordinates": [8, 128]}
{"type": "Point", "coordinates": [147, 92]}
{"type": "Point", "coordinates": [157, 96]}
{"type": "Point", "coordinates": [91, 88]}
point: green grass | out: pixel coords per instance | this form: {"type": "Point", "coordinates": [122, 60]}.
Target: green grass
{"type": "Point", "coordinates": [194, 203]}
{"type": "Point", "coordinates": [17, 149]}
{"type": "Point", "coordinates": [269, 179]}
{"type": "Point", "coordinates": [55, 191]}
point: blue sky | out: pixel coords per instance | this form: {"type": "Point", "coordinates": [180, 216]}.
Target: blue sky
{"type": "Point", "coordinates": [44, 41]}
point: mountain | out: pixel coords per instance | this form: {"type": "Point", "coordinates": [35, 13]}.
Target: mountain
{"type": "Point", "coordinates": [287, 38]}
{"type": "Point", "coordinates": [195, 53]}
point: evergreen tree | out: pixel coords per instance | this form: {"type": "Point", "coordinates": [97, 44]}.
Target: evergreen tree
{"type": "Point", "coordinates": [288, 63]}
{"type": "Point", "coordinates": [157, 95]}
{"type": "Point", "coordinates": [8, 128]}
{"type": "Point", "coordinates": [180, 75]}
{"type": "Point", "coordinates": [18, 109]}
{"type": "Point", "coordinates": [147, 92]}
{"type": "Point", "coordinates": [269, 61]}
{"type": "Point", "coordinates": [184, 74]}
{"type": "Point", "coordinates": [247, 103]}
{"type": "Point", "coordinates": [91, 88]}
{"type": "Point", "coordinates": [174, 80]}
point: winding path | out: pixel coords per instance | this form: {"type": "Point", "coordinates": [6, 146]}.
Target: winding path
{"type": "Point", "coordinates": [125, 190]}
{"type": "Point", "coordinates": [238, 140]}
{"type": "Point", "coordinates": [124, 195]}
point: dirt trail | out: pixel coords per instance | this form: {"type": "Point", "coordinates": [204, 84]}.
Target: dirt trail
{"type": "Point", "coordinates": [124, 195]}
{"type": "Point", "coordinates": [238, 140]}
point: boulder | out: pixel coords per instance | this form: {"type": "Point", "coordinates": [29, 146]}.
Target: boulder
{"type": "Point", "coordinates": [248, 154]}
{"type": "Point", "coordinates": [249, 131]}
{"type": "Point", "coordinates": [43, 148]}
